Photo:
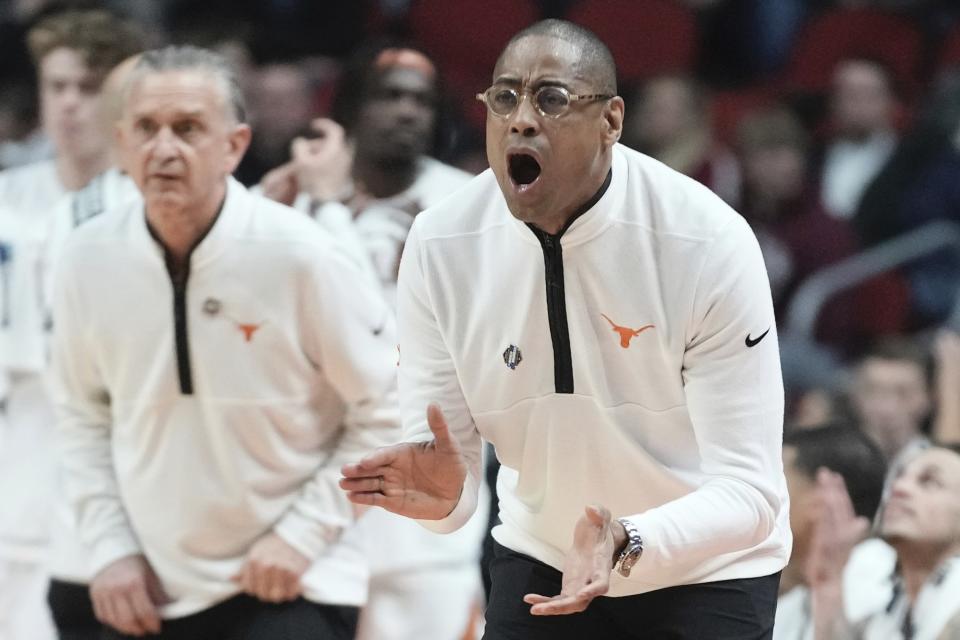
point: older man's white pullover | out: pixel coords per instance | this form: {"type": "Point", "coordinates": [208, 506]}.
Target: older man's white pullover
{"type": "Point", "coordinates": [197, 417]}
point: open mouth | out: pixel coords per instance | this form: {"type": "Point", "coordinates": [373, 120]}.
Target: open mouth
{"type": "Point", "coordinates": [524, 169]}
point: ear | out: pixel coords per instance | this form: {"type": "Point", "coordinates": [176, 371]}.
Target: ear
{"type": "Point", "coordinates": [613, 120]}
{"type": "Point", "coordinates": [237, 143]}
{"type": "Point", "coordinates": [121, 142]}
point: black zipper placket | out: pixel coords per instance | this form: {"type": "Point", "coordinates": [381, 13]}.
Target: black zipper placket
{"type": "Point", "coordinates": [181, 341]}
{"type": "Point", "coordinates": [556, 293]}
{"type": "Point", "coordinates": [557, 312]}
{"type": "Point", "coordinates": [179, 275]}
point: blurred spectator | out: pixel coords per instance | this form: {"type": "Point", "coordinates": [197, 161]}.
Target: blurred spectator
{"type": "Point", "coordinates": [919, 185]}
{"type": "Point", "coordinates": [373, 163]}
{"type": "Point", "coordinates": [796, 236]}
{"type": "Point", "coordinates": [281, 103]}
{"type": "Point", "coordinates": [364, 178]}
{"type": "Point", "coordinates": [920, 519]}
{"type": "Point", "coordinates": [891, 395]}
{"type": "Point", "coordinates": [931, 140]}
{"type": "Point", "coordinates": [73, 51]}
{"type": "Point", "coordinates": [862, 133]}
{"type": "Point", "coordinates": [669, 120]}
{"type": "Point", "coordinates": [392, 107]}
{"type": "Point", "coordinates": [934, 195]}
{"type": "Point", "coordinates": [841, 449]}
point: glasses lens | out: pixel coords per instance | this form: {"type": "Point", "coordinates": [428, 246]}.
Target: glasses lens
{"type": "Point", "coordinates": [502, 101]}
{"type": "Point", "coordinates": [552, 100]}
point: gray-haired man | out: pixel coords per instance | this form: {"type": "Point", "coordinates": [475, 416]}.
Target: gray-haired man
{"type": "Point", "coordinates": [216, 361]}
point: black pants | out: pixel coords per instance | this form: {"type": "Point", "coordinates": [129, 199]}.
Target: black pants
{"type": "Point", "coordinates": [72, 611]}
{"type": "Point", "coordinates": [245, 618]}
{"type": "Point", "coordinates": [728, 610]}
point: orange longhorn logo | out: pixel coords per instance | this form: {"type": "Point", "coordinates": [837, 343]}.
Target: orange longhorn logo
{"type": "Point", "coordinates": [626, 333]}
{"type": "Point", "coordinates": [248, 330]}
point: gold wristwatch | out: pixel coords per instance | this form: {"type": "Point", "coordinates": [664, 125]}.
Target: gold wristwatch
{"type": "Point", "coordinates": [631, 551]}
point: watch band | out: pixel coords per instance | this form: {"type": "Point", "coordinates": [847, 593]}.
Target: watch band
{"type": "Point", "coordinates": [631, 551]}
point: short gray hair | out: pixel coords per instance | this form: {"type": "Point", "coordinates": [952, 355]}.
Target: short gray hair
{"type": "Point", "coordinates": [190, 58]}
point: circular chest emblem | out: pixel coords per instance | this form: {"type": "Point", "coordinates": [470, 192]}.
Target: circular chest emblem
{"type": "Point", "coordinates": [512, 357]}
{"type": "Point", "coordinates": [211, 306]}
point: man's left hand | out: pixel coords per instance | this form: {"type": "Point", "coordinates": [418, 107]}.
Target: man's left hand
{"type": "Point", "coordinates": [272, 570]}
{"type": "Point", "coordinates": [587, 567]}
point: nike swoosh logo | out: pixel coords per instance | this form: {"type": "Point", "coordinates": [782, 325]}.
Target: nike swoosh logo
{"type": "Point", "coordinates": [754, 342]}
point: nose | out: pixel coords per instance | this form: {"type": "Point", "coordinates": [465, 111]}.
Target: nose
{"type": "Point", "coordinates": [888, 402]}
{"type": "Point", "coordinates": [409, 108]}
{"type": "Point", "coordinates": [164, 144]}
{"type": "Point", "coordinates": [71, 98]}
{"type": "Point", "coordinates": [901, 486]}
{"type": "Point", "coordinates": [525, 120]}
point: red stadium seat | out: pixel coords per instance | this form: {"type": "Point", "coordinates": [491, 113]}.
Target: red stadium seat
{"type": "Point", "coordinates": [646, 37]}
{"type": "Point", "coordinates": [882, 306]}
{"type": "Point", "coordinates": [836, 35]}
{"type": "Point", "coordinates": [466, 34]}
{"type": "Point", "coordinates": [464, 38]}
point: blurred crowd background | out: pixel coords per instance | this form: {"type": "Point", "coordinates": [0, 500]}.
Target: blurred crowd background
{"type": "Point", "coordinates": [833, 127]}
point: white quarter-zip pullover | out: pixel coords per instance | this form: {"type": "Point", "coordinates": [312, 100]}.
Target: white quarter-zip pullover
{"type": "Point", "coordinates": [195, 419]}
{"type": "Point", "coordinates": [631, 362]}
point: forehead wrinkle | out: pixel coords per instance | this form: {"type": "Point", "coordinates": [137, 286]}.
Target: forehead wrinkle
{"type": "Point", "coordinates": [552, 55]}
{"type": "Point", "coordinates": [176, 113]}
{"type": "Point", "coordinates": [139, 90]}
{"type": "Point", "coordinates": [180, 105]}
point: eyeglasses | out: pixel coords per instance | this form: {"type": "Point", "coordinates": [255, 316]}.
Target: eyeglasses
{"type": "Point", "coordinates": [550, 101]}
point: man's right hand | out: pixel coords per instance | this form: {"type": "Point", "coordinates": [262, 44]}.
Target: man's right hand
{"type": "Point", "coordinates": [320, 166]}
{"type": "Point", "coordinates": [421, 480]}
{"type": "Point", "coordinates": [125, 596]}
{"type": "Point", "coordinates": [281, 184]}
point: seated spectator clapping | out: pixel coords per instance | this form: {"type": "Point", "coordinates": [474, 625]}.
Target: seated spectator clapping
{"type": "Point", "coordinates": [920, 519]}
